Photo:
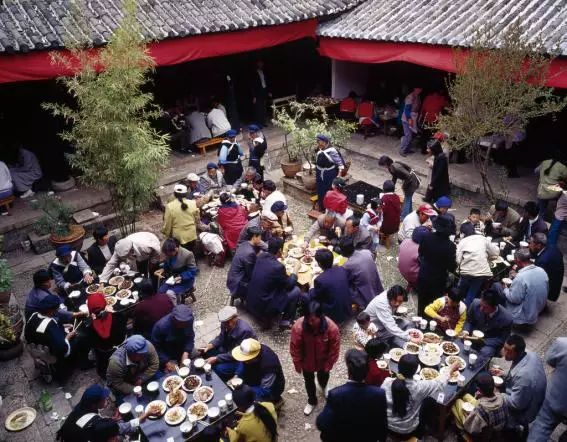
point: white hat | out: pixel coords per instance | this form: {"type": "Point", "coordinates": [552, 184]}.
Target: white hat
{"type": "Point", "coordinates": [258, 140]}
{"type": "Point", "coordinates": [193, 177]}
{"type": "Point", "coordinates": [268, 214]}
{"type": "Point", "coordinates": [180, 188]}
{"type": "Point", "coordinates": [226, 313]}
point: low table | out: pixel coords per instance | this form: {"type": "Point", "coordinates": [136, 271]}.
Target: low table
{"type": "Point", "coordinates": [361, 187]}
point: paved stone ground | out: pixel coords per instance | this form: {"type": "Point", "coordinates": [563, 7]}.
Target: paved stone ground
{"type": "Point", "coordinates": [19, 385]}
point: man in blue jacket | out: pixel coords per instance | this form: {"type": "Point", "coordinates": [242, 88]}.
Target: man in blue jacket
{"type": "Point", "coordinates": [550, 259]}
{"type": "Point", "coordinates": [354, 411]}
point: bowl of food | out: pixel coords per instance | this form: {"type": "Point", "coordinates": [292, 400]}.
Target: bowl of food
{"type": "Point", "coordinates": [183, 372]}
{"type": "Point", "coordinates": [199, 363]}
{"type": "Point", "coordinates": [431, 338]}
{"type": "Point", "coordinates": [478, 334]}
{"type": "Point", "coordinates": [125, 285]}
{"type": "Point", "coordinates": [153, 387]}
{"type": "Point", "coordinates": [186, 428]}
{"type": "Point", "coordinates": [116, 280]}
{"type": "Point", "coordinates": [93, 288]}
{"type": "Point", "coordinates": [110, 300]}
{"type": "Point", "coordinates": [175, 415]}
{"type": "Point", "coordinates": [428, 373]}
{"type": "Point", "coordinates": [156, 406]}
{"type": "Point", "coordinates": [450, 333]}
{"type": "Point", "coordinates": [411, 348]}
{"type": "Point", "coordinates": [430, 355]}
{"type": "Point", "coordinates": [197, 410]}
{"type": "Point", "coordinates": [450, 348]}
{"type": "Point", "coordinates": [191, 383]}
{"type": "Point", "coordinates": [235, 382]}
{"type": "Point", "coordinates": [203, 394]}
{"type": "Point", "coordinates": [171, 382]}
{"type": "Point", "coordinates": [402, 310]}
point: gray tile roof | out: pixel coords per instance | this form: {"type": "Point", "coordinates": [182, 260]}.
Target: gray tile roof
{"type": "Point", "coordinates": [43, 24]}
{"type": "Point", "coordinates": [449, 22]}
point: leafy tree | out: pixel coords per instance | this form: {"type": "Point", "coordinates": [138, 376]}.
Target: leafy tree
{"type": "Point", "coordinates": [497, 90]}
{"type": "Point", "coordinates": [116, 147]}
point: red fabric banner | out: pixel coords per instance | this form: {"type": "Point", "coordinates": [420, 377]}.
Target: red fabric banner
{"type": "Point", "coordinates": [437, 57]}
{"type": "Point", "coordinates": [37, 65]}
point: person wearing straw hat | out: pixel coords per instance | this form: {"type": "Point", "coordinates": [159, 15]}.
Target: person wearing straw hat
{"type": "Point", "coordinates": [260, 368]}
{"type": "Point", "coordinates": [181, 218]}
{"type": "Point", "coordinates": [230, 158]}
{"type": "Point", "coordinates": [233, 331]}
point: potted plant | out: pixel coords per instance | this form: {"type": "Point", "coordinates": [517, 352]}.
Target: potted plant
{"type": "Point", "coordinates": [11, 326]}
{"type": "Point", "coordinates": [6, 278]}
{"type": "Point", "coordinates": [57, 221]}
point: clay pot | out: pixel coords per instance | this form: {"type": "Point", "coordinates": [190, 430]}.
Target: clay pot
{"type": "Point", "coordinates": [74, 238]}
{"type": "Point", "coordinates": [290, 168]}
{"type": "Point", "coordinates": [309, 182]}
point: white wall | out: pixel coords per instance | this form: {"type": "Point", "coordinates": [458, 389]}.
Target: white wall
{"type": "Point", "coordinates": [348, 77]}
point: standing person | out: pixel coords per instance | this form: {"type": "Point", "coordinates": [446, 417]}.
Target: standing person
{"type": "Point", "coordinates": [550, 172]}
{"type": "Point", "coordinates": [354, 402]}
{"type": "Point", "coordinates": [69, 269]}
{"type": "Point", "coordinates": [230, 158]}
{"type": "Point", "coordinates": [437, 257]}
{"type": "Point", "coordinates": [174, 337]}
{"type": "Point", "coordinates": [329, 163]}
{"type": "Point", "coordinates": [180, 265]}
{"type": "Point", "coordinates": [197, 125]}
{"type": "Point", "coordinates": [550, 259]}
{"type": "Point", "coordinates": [181, 218]}
{"type": "Point", "coordinates": [410, 114]}
{"type": "Point", "coordinates": [258, 147]}
{"type": "Point", "coordinates": [232, 219]}
{"type": "Point", "coordinates": [391, 212]}
{"type": "Point", "coordinates": [554, 409]}
{"type": "Point", "coordinates": [242, 265]}
{"type": "Point", "coordinates": [410, 181]}
{"type": "Point", "coordinates": [474, 253]}
{"type": "Point", "coordinates": [151, 308]}
{"type": "Point", "coordinates": [314, 346]}
{"type": "Point", "coordinates": [25, 173]}
{"type": "Point", "coordinates": [372, 222]}
{"type": "Point", "coordinates": [260, 94]}
{"type": "Point", "coordinates": [408, 256]}
{"type": "Point", "coordinates": [101, 250]}
{"type": "Point", "coordinates": [439, 184]}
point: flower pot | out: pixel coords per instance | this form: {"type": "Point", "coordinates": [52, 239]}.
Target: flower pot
{"type": "Point", "coordinates": [74, 238]}
{"type": "Point", "coordinates": [290, 168]}
{"type": "Point", "coordinates": [11, 350]}
{"type": "Point", "coordinates": [5, 298]}
{"type": "Point", "coordinates": [309, 182]}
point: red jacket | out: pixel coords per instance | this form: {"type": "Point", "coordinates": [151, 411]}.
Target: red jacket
{"type": "Point", "coordinates": [232, 219]}
{"type": "Point", "coordinates": [375, 375]}
{"type": "Point", "coordinates": [314, 352]}
{"type": "Point", "coordinates": [335, 201]}
{"type": "Point", "coordinates": [391, 210]}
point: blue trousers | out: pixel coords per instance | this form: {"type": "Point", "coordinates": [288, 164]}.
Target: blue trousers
{"type": "Point", "coordinates": [324, 180]}
{"type": "Point", "coordinates": [406, 139]}
{"type": "Point", "coordinates": [554, 231]}
{"type": "Point", "coordinates": [470, 285]}
{"type": "Point", "coordinates": [225, 370]}
{"type": "Point", "coordinates": [407, 205]}
{"type": "Point", "coordinates": [544, 424]}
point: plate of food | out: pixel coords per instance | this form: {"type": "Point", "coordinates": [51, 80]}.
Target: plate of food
{"type": "Point", "coordinates": [430, 354]}
{"type": "Point", "coordinates": [304, 268]}
{"type": "Point", "coordinates": [554, 188]}
{"type": "Point", "coordinates": [177, 397]}
{"type": "Point", "coordinates": [450, 360]}
{"type": "Point", "coordinates": [20, 419]}
{"type": "Point", "coordinates": [123, 294]}
{"type": "Point", "coordinates": [111, 300]}
{"type": "Point", "coordinates": [416, 334]}
{"type": "Point", "coordinates": [109, 291]}
{"type": "Point", "coordinates": [234, 383]}
{"type": "Point", "coordinates": [93, 288]}
{"type": "Point", "coordinates": [175, 415]}
{"type": "Point", "coordinates": [203, 394]}
{"type": "Point", "coordinates": [449, 348]}
{"type": "Point", "coordinates": [454, 378]}
{"type": "Point", "coordinates": [428, 374]}
{"type": "Point", "coordinates": [431, 338]}
{"type": "Point", "coordinates": [296, 252]}
{"type": "Point", "coordinates": [396, 354]}
{"type": "Point", "coordinates": [289, 261]}
{"type": "Point", "coordinates": [126, 285]}
{"type": "Point", "coordinates": [157, 405]}
{"type": "Point", "coordinates": [411, 348]}
{"type": "Point", "coordinates": [171, 382]}
{"type": "Point", "coordinates": [198, 410]}
{"type": "Point", "coordinates": [191, 383]}
{"type": "Point", "coordinates": [307, 259]}
{"type": "Point", "coordinates": [116, 280]}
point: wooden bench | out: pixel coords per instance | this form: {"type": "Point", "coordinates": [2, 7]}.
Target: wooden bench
{"type": "Point", "coordinates": [202, 145]}
{"type": "Point", "coordinates": [6, 203]}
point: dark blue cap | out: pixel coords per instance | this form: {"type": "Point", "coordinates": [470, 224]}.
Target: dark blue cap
{"type": "Point", "coordinates": [231, 133]}
{"type": "Point", "coordinates": [253, 128]}
{"type": "Point", "coordinates": [63, 250]}
{"type": "Point", "coordinates": [212, 165]}
{"type": "Point", "coordinates": [49, 302]}
{"type": "Point", "coordinates": [95, 393]}
{"type": "Point", "coordinates": [324, 138]}
{"type": "Point", "coordinates": [278, 206]}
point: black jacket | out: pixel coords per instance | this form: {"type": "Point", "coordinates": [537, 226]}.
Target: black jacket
{"type": "Point", "coordinates": [95, 258]}
{"type": "Point", "coordinates": [440, 177]}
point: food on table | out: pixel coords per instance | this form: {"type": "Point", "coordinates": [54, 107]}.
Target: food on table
{"type": "Point", "coordinates": [414, 333]}
{"type": "Point", "coordinates": [192, 382]}
{"type": "Point", "coordinates": [411, 348]}
{"type": "Point", "coordinates": [296, 252]}
{"type": "Point", "coordinates": [198, 410]}
{"type": "Point", "coordinates": [450, 360]}
{"type": "Point", "coordinates": [430, 354]}
{"type": "Point", "coordinates": [175, 415]}
{"type": "Point", "coordinates": [177, 397]}
{"type": "Point", "coordinates": [20, 419]}
{"type": "Point", "coordinates": [289, 261]}
{"type": "Point", "coordinates": [109, 291]}
{"type": "Point", "coordinates": [396, 354]}
{"type": "Point", "coordinates": [203, 394]}
{"type": "Point", "coordinates": [234, 382]}
{"type": "Point", "coordinates": [449, 348]}
{"type": "Point", "coordinates": [304, 268]}
{"type": "Point", "coordinates": [116, 280]}
{"type": "Point", "coordinates": [93, 288]}
{"type": "Point", "coordinates": [431, 338]}
{"type": "Point", "coordinates": [123, 294]}
{"type": "Point", "coordinates": [158, 407]}
{"type": "Point", "coordinates": [453, 378]}
{"type": "Point", "coordinates": [306, 259]}
{"type": "Point", "coordinates": [478, 334]}
{"type": "Point", "coordinates": [110, 300]}
{"type": "Point", "coordinates": [428, 374]}
{"type": "Point", "coordinates": [199, 363]}
{"type": "Point", "coordinates": [171, 382]}
{"type": "Point", "coordinates": [126, 285]}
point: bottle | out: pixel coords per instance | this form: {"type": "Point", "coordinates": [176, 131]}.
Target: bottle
{"type": "Point", "coordinates": [45, 402]}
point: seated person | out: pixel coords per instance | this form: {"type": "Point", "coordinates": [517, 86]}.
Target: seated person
{"type": "Point", "coordinates": [243, 263]}
{"type": "Point", "coordinates": [507, 220]}
{"type": "Point", "coordinates": [381, 311]}
{"type": "Point", "coordinates": [363, 277]}
{"type": "Point", "coordinates": [375, 350]}
{"type": "Point", "coordinates": [550, 259]}
{"type": "Point", "coordinates": [42, 283]}
{"type": "Point", "coordinates": [260, 368]}
{"type": "Point", "coordinates": [531, 223]}
{"type": "Point", "coordinates": [25, 172]}
{"type": "Point", "coordinates": [442, 205]}
{"type": "Point", "coordinates": [489, 413]}
{"type": "Point", "coordinates": [336, 201]}
{"type": "Point", "coordinates": [194, 187]}
{"type": "Point", "coordinates": [327, 224]}
{"type": "Point", "coordinates": [43, 329]}
{"type": "Point", "coordinates": [233, 331]}
{"type": "Point", "coordinates": [86, 424]}
{"type": "Point", "coordinates": [232, 218]}
{"type": "Point", "coordinates": [247, 178]}
{"type": "Point", "coordinates": [485, 314]}
{"type": "Point", "coordinates": [102, 249]}
{"type": "Point", "coordinates": [372, 221]}
{"type": "Point", "coordinates": [266, 226]}
{"type": "Point", "coordinates": [151, 308]}
{"type": "Point", "coordinates": [217, 122]}
{"type": "Point", "coordinates": [419, 217]}
{"type": "Point", "coordinates": [258, 420]}
{"type": "Point", "coordinates": [213, 245]}
{"type": "Point", "coordinates": [270, 194]}
{"type": "Point", "coordinates": [174, 337]}
{"type": "Point", "coordinates": [197, 125]}
{"type": "Point", "coordinates": [272, 294]}
{"type": "Point", "coordinates": [527, 296]}
{"type": "Point", "coordinates": [6, 186]}
{"type": "Point", "coordinates": [69, 269]}
{"type": "Point", "coordinates": [408, 256]}
{"type": "Point", "coordinates": [525, 383]}
{"type": "Point", "coordinates": [449, 311]}
{"type": "Point", "coordinates": [181, 265]}
{"type": "Point", "coordinates": [363, 330]}
{"type": "Point", "coordinates": [474, 219]}
{"type": "Point", "coordinates": [359, 235]}
{"type": "Point", "coordinates": [133, 363]}
{"type": "Point", "coordinates": [331, 288]}
{"type": "Point", "coordinates": [213, 180]}
{"type": "Point", "coordinates": [279, 208]}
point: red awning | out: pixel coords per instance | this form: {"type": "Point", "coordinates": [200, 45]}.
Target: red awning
{"type": "Point", "coordinates": [437, 57]}
{"type": "Point", "coordinates": [38, 66]}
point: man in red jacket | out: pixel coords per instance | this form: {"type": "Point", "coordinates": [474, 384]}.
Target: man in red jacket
{"type": "Point", "coordinates": [314, 347]}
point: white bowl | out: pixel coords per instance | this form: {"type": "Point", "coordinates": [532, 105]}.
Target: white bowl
{"type": "Point", "coordinates": [498, 381]}
{"type": "Point", "coordinates": [213, 412]}
{"type": "Point", "coordinates": [184, 372]}
{"type": "Point", "coordinates": [75, 294]}
{"type": "Point", "coordinates": [450, 332]}
{"type": "Point", "coordinates": [478, 334]}
{"type": "Point", "coordinates": [84, 308]}
{"type": "Point", "coordinates": [153, 386]}
{"type": "Point", "coordinates": [186, 428]}
{"type": "Point", "coordinates": [199, 363]}
{"type": "Point", "coordinates": [506, 281]}
{"type": "Point", "coordinates": [402, 310]}
{"type": "Point", "coordinates": [125, 408]}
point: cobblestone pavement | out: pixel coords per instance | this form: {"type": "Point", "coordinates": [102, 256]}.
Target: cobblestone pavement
{"type": "Point", "coordinates": [19, 385]}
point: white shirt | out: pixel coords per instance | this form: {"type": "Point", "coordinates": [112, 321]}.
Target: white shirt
{"type": "Point", "coordinates": [410, 222]}
{"type": "Point", "coordinates": [216, 119]}
{"type": "Point", "coordinates": [105, 251]}
{"type": "Point", "coordinates": [276, 195]}
{"type": "Point", "coordinates": [5, 177]}
{"type": "Point", "coordinates": [262, 78]}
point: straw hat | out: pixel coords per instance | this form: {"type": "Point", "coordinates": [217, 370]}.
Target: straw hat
{"type": "Point", "coordinates": [247, 350]}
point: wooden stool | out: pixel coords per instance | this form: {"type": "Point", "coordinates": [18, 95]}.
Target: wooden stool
{"type": "Point", "coordinates": [6, 203]}
{"type": "Point", "coordinates": [314, 199]}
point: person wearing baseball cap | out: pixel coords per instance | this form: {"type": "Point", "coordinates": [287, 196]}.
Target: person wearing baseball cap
{"type": "Point", "coordinates": [415, 219]}
{"type": "Point", "coordinates": [230, 158]}
{"type": "Point", "coordinates": [195, 189]}
{"type": "Point", "coordinates": [133, 363]}
{"type": "Point", "coordinates": [329, 163]}
{"type": "Point", "coordinates": [69, 269]}
{"type": "Point", "coordinates": [233, 331]}
{"type": "Point", "coordinates": [181, 216]}
{"type": "Point", "coordinates": [260, 368]}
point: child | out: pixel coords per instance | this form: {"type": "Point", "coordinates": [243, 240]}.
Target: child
{"type": "Point", "coordinates": [372, 220]}
{"type": "Point", "coordinates": [391, 209]}
{"type": "Point", "coordinates": [376, 374]}
{"type": "Point", "coordinates": [474, 218]}
{"type": "Point", "coordinates": [363, 330]}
